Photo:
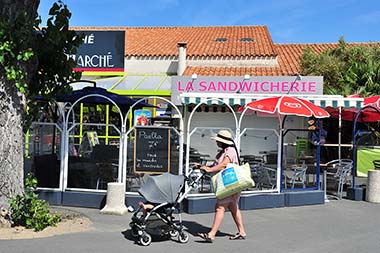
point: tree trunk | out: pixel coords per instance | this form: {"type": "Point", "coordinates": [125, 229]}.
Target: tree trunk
{"type": "Point", "coordinates": [12, 140]}
{"type": "Point", "coordinates": [12, 109]}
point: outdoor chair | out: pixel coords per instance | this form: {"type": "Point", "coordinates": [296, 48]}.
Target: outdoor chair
{"type": "Point", "coordinates": [106, 173]}
{"type": "Point", "coordinates": [340, 175]}
{"type": "Point", "coordinates": [266, 176]}
{"type": "Point", "coordinates": [301, 148]}
{"type": "Point", "coordinates": [298, 176]}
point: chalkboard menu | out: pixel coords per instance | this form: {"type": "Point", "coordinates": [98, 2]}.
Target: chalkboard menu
{"type": "Point", "coordinates": [152, 150]}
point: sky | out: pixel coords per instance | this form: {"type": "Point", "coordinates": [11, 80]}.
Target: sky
{"type": "Point", "coordinates": [288, 21]}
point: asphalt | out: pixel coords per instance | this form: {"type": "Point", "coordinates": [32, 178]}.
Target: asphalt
{"type": "Point", "coordinates": [337, 226]}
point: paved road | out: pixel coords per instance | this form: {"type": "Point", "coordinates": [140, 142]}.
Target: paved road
{"type": "Point", "coordinates": [338, 226]}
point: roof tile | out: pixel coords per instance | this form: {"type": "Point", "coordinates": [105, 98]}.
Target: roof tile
{"type": "Point", "coordinates": [289, 56]}
{"type": "Point", "coordinates": [162, 41]}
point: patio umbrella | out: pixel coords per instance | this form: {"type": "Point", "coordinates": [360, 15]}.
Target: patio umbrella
{"type": "Point", "coordinates": [287, 105]}
{"type": "Point", "coordinates": [374, 100]}
{"type": "Point", "coordinates": [118, 99]}
{"type": "Point", "coordinates": [349, 114]}
{"type": "Point", "coordinates": [283, 106]}
{"type": "Point", "coordinates": [77, 94]}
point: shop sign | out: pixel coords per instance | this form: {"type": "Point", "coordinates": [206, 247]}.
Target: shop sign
{"type": "Point", "coordinates": [102, 53]}
{"type": "Point", "coordinates": [308, 85]}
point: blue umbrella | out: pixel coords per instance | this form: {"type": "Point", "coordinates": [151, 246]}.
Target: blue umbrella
{"type": "Point", "coordinates": [118, 99]}
{"type": "Point", "coordinates": [77, 94]}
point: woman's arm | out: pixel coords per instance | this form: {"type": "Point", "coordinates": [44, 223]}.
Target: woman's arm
{"type": "Point", "coordinates": [217, 167]}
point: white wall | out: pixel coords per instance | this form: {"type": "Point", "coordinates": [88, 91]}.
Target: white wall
{"type": "Point", "coordinates": [254, 141]}
{"type": "Point", "coordinates": [150, 65]}
{"type": "Point", "coordinates": [169, 65]}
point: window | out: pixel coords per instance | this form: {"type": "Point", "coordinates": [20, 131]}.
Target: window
{"type": "Point", "coordinates": [246, 39]}
{"type": "Point", "coordinates": [221, 39]}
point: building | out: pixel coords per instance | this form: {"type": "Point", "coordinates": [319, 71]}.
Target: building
{"type": "Point", "coordinates": [211, 63]}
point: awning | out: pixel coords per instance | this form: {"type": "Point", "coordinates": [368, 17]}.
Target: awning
{"type": "Point", "coordinates": [144, 85]}
{"type": "Point", "coordinates": [242, 99]}
{"type": "Point", "coordinates": [133, 85]}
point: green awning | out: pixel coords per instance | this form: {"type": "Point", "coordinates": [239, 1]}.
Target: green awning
{"type": "Point", "coordinates": [243, 99]}
{"type": "Point", "coordinates": [133, 85]}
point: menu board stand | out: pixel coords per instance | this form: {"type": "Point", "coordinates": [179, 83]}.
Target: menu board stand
{"type": "Point", "coordinates": [152, 150]}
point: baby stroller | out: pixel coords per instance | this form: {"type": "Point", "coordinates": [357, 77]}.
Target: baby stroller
{"type": "Point", "coordinates": [167, 191]}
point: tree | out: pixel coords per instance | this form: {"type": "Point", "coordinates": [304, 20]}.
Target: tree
{"type": "Point", "coordinates": [33, 61]}
{"type": "Point", "coordinates": [347, 69]}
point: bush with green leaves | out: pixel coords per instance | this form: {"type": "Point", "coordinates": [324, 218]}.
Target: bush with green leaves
{"type": "Point", "coordinates": [29, 211]}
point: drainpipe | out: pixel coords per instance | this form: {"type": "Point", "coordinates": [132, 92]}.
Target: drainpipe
{"type": "Point", "coordinates": [181, 58]}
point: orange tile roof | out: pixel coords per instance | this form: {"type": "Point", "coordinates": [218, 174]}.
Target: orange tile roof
{"type": "Point", "coordinates": [162, 41]}
{"type": "Point", "coordinates": [288, 62]}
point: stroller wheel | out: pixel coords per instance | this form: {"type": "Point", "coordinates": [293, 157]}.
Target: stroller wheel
{"type": "Point", "coordinates": [183, 237]}
{"type": "Point", "coordinates": [145, 239]}
{"type": "Point", "coordinates": [173, 233]}
{"type": "Point", "coordinates": [134, 232]}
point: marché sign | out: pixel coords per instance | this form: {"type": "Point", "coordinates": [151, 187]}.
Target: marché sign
{"type": "Point", "coordinates": [102, 53]}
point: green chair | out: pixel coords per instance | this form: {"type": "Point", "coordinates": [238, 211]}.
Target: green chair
{"type": "Point", "coordinates": [302, 147]}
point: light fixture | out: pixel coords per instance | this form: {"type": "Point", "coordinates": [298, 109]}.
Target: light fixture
{"type": "Point", "coordinates": [194, 76]}
{"type": "Point", "coordinates": [298, 78]}
{"type": "Point", "coordinates": [246, 77]}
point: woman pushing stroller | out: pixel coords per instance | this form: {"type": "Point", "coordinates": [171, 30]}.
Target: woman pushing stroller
{"type": "Point", "coordinates": [228, 154]}
{"type": "Point", "coordinates": [164, 194]}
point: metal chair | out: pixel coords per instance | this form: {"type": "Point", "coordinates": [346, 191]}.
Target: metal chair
{"type": "Point", "coordinates": [340, 176]}
{"type": "Point", "coordinates": [298, 176]}
{"type": "Point", "coordinates": [266, 177]}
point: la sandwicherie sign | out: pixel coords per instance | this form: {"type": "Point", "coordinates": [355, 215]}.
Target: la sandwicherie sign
{"type": "Point", "coordinates": [306, 85]}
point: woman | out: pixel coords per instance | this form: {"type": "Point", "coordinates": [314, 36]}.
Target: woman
{"type": "Point", "coordinates": [228, 154]}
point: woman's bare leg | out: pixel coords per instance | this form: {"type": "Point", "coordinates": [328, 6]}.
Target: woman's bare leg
{"type": "Point", "coordinates": [218, 218]}
{"type": "Point", "coordinates": [238, 218]}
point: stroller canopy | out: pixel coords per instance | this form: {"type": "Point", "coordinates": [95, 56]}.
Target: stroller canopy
{"type": "Point", "coordinates": [162, 188]}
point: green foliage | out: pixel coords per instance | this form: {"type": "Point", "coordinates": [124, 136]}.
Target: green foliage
{"type": "Point", "coordinates": [15, 47]}
{"type": "Point", "coordinates": [54, 43]}
{"type": "Point", "coordinates": [35, 59]}
{"type": "Point", "coordinates": [347, 69]}
{"type": "Point", "coordinates": [29, 211]}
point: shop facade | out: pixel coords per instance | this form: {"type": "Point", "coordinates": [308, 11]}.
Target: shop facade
{"type": "Point", "coordinates": [211, 101]}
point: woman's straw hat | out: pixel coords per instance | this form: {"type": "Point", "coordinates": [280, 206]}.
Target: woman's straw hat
{"type": "Point", "coordinates": [224, 136]}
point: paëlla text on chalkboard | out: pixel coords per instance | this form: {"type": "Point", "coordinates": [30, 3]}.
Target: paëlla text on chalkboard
{"type": "Point", "coordinates": [152, 150]}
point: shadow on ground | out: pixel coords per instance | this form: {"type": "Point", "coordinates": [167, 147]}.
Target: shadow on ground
{"type": "Point", "coordinates": [193, 228]}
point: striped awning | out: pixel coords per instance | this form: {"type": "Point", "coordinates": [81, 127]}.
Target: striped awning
{"type": "Point", "coordinates": [243, 99]}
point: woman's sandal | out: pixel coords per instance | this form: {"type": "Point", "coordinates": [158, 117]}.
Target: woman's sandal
{"type": "Point", "coordinates": [206, 237]}
{"type": "Point", "coordinates": [238, 236]}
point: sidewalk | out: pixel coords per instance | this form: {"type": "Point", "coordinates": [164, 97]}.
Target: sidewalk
{"type": "Point", "coordinates": [338, 226]}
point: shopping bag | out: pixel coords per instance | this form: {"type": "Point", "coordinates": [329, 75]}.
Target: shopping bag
{"type": "Point", "coordinates": [234, 178]}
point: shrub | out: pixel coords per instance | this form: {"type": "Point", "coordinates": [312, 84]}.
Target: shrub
{"type": "Point", "coordinates": [29, 211]}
